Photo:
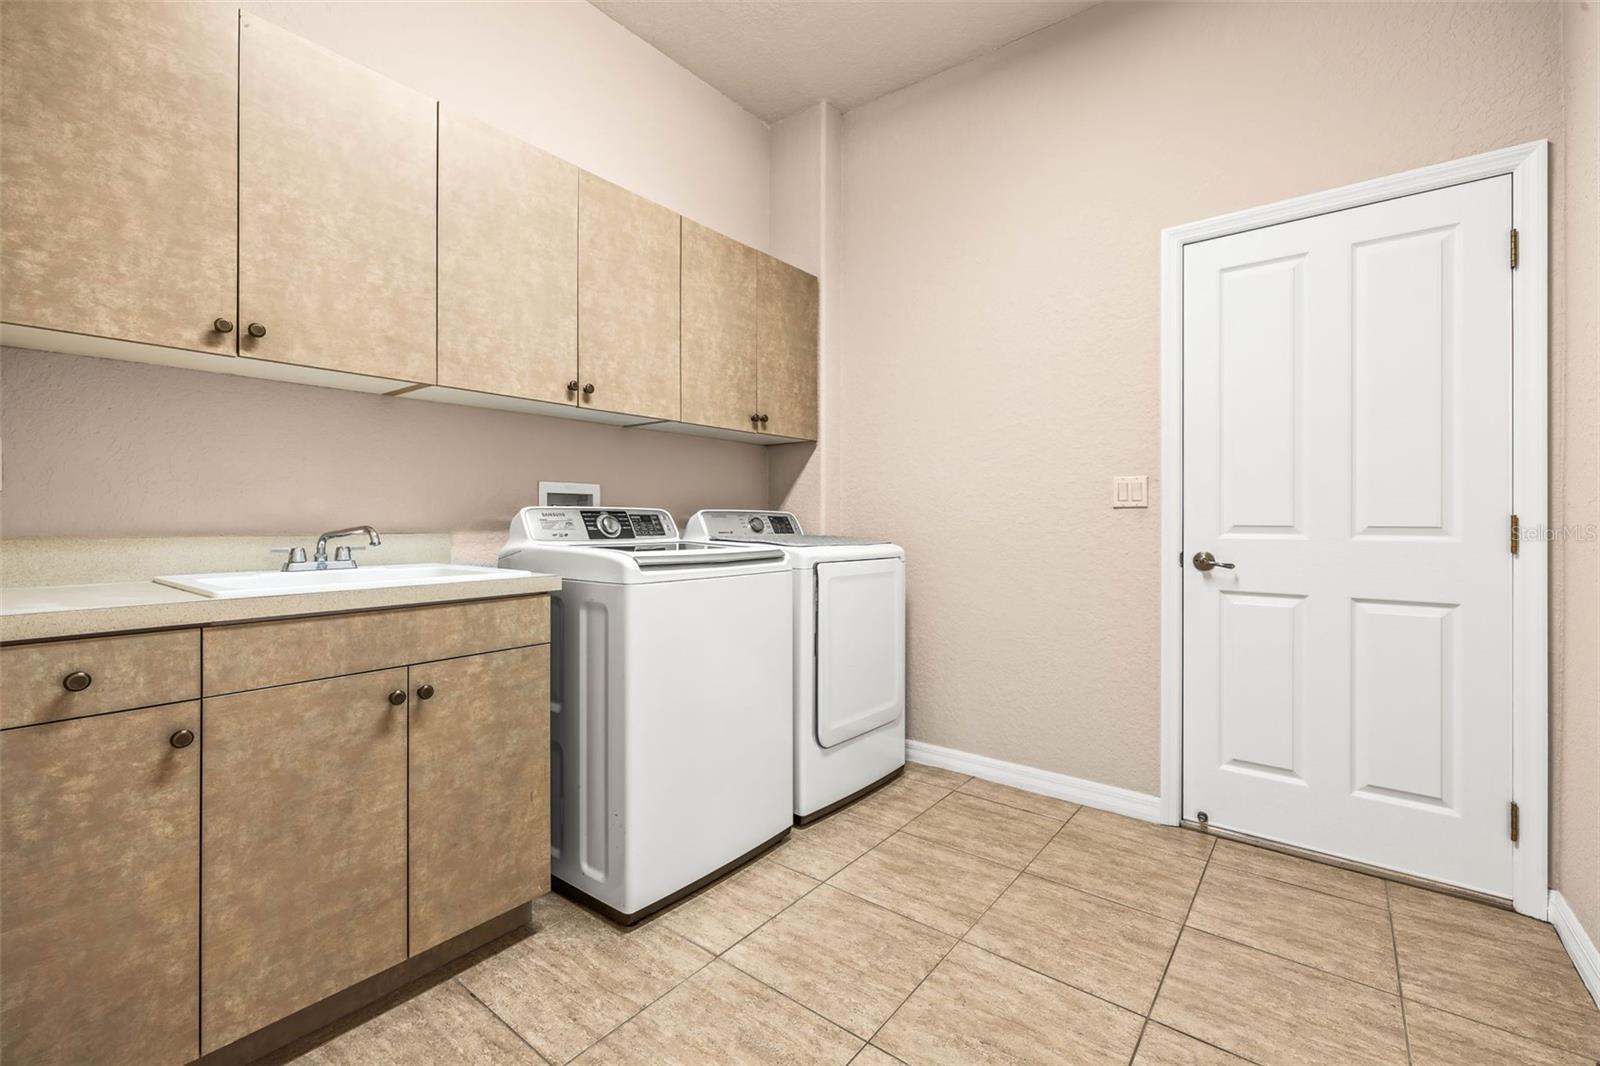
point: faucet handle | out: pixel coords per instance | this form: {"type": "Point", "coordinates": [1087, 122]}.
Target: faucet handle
{"type": "Point", "coordinates": [341, 554]}
{"type": "Point", "coordinates": [296, 555]}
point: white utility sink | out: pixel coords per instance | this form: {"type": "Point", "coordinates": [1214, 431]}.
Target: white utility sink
{"type": "Point", "coordinates": [285, 583]}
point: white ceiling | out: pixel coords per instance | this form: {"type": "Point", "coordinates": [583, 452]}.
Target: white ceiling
{"type": "Point", "coordinates": [774, 57]}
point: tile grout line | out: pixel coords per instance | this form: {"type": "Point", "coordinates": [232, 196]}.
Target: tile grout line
{"type": "Point", "coordinates": [1399, 979]}
{"type": "Point", "coordinates": [496, 1016]}
{"type": "Point", "coordinates": [1182, 926]}
{"type": "Point", "coordinates": [962, 939]}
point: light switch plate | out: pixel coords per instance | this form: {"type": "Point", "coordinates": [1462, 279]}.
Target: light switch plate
{"type": "Point", "coordinates": [1130, 491]}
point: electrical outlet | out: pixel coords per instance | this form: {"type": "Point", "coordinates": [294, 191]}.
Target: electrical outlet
{"type": "Point", "coordinates": [1130, 491]}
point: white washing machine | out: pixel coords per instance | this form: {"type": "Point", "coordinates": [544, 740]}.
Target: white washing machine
{"type": "Point", "coordinates": [672, 751]}
{"type": "Point", "coordinates": [850, 654]}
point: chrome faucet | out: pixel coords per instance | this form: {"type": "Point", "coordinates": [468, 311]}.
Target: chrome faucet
{"type": "Point", "coordinates": [342, 558]}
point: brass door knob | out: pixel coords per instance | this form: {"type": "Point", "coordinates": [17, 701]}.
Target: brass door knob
{"type": "Point", "coordinates": [397, 697]}
{"type": "Point", "coordinates": [588, 390]}
{"type": "Point", "coordinates": [1204, 561]}
{"type": "Point", "coordinates": [77, 681]}
{"type": "Point", "coordinates": [223, 325]}
{"type": "Point", "coordinates": [182, 738]}
{"type": "Point", "coordinates": [424, 692]}
{"type": "Point", "coordinates": [256, 329]}
{"type": "Point", "coordinates": [572, 386]}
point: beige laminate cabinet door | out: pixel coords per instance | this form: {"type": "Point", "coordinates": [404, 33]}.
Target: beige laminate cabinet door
{"type": "Point", "coordinates": [117, 195]}
{"type": "Point", "coordinates": [508, 264]}
{"type": "Point", "coordinates": [480, 789]}
{"type": "Point", "coordinates": [303, 864]}
{"type": "Point", "coordinates": [99, 900]}
{"type": "Point", "coordinates": [627, 301]}
{"type": "Point", "coordinates": [337, 211]}
{"type": "Point", "coordinates": [721, 279]}
{"type": "Point", "coordinates": [787, 342]}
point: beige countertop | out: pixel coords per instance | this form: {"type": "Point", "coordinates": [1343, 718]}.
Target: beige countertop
{"type": "Point", "coordinates": [50, 611]}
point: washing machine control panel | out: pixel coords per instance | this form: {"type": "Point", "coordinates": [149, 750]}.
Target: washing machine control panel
{"type": "Point", "coordinates": [597, 524]}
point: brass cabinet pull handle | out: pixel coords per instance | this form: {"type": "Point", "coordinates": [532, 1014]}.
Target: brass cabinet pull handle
{"type": "Point", "coordinates": [222, 325]}
{"type": "Point", "coordinates": [397, 697]}
{"type": "Point", "coordinates": [77, 681]}
{"type": "Point", "coordinates": [763, 420]}
{"type": "Point", "coordinates": [1204, 561]}
{"type": "Point", "coordinates": [588, 389]}
{"type": "Point", "coordinates": [424, 692]}
{"type": "Point", "coordinates": [182, 738]}
{"type": "Point", "coordinates": [755, 420]}
{"type": "Point", "coordinates": [572, 386]}
{"type": "Point", "coordinates": [256, 329]}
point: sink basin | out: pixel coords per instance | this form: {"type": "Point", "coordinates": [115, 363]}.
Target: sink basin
{"type": "Point", "coordinates": [282, 583]}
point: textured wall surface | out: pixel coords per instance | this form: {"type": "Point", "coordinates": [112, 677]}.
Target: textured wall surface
{"type": "Point", "coordinates": [95, 447]}
{"type": "Point", "coordinates": [999, 342]}
{"type": "Point", "coordinates": [1575, 688]}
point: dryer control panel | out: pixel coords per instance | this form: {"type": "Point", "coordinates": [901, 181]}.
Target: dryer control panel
{"type": "Point", "coordinates": [732, 525]}
{"type": "Point", "coordinates": [595, 524]}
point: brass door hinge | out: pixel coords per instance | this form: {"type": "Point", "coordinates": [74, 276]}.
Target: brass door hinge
{"type": "Point", "coordinates": [1516, 534]}
{"type": "Point", "coordinates": [1513, 249]}
{"type": "Point", "coordinates": [1516, 822]}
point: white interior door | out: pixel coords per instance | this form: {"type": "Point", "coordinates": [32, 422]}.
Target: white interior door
{"type": "Point", "coordinates": [861, 647]}
{"type": "Point", "coordinates": [1347, 686]}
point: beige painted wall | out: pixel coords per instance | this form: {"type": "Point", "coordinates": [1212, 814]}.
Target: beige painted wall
{"type": "Point", "coordinates": [1575, 559]}
{"type": "Point", "coordinates": [103, 448]}
{"type": "Point", "coordinates": [92, 447]}
{"type": "Point", "coordinates": [998, 333]}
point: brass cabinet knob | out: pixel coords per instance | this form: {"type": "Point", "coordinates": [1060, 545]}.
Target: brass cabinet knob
{"type": "Point", "coordinates": [182, 738]}
{"type": "Point", "coordinates": [763, 420]}
{"type": "Point", "coordinates": [223, 325]}
{"type": "Point", "coordinates": [397, 697]}
{"type": "Point", "coordinates": [755, 420]}
{"type": "Point", "coordinates": [588, 389]}
{"type": "Point", "coordinates": [424, 692]}
{"type": "Point", "coordinates": [572, 386]}
{"type": "Point", "coordinates": [256, 329]}
{"type": "Point", "coordinates": [77, 681]}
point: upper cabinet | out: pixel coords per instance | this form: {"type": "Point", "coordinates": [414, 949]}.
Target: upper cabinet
{"type": "Point", "coordinates": [508, 264]}
{"type": "Point", "coordinates": [118, 217]}
{"type": "Point", "coordinates": [786, 346]}
{"type": "Point", "coordinates": [720, 309]}
{"type": "Point", "coordinates": [628, 262]}
{"type": "Point", "coordinates": [186, 184]}
{"type": "Point", "coordinates": [337, 202]}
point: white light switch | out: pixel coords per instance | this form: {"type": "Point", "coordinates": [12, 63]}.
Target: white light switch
{"type": "Point", "coordinates": [1130, 491]}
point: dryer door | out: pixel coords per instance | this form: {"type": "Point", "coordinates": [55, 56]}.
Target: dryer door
{"type": "Point", "coordinates": [861, 647]}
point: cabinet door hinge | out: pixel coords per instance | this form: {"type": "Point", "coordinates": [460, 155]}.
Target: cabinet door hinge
{"type": "Point", "coordinates": [1516, 822]}
{"type": "Point", "coordinates": [1516, 534]}
{"type": "Point", "coordinates": [1513, 249]}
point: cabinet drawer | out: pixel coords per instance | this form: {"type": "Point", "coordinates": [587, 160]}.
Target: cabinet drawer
{"type": "Point", "coordinates": [258, 654]}
{"type": "Point", "coordinates": [121, 673]}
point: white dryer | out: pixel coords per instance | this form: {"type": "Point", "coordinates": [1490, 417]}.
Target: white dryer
{"type": "Point", "coordinates": [850, 654]}
{"type": "Point", "coordinates": [672, 752]}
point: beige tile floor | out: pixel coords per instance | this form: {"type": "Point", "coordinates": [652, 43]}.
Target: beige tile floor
{"type": "Point", "coordinates": [947, 920]}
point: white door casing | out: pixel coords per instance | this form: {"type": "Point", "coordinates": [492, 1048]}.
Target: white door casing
{"type": "Point", "coordinates": [1354, 404]}
{"type": "Point", "coordinates": [1347, 447]}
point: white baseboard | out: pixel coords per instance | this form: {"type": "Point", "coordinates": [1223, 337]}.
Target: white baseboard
{"type": "Point", "coordinates": [1579, 945]}
{"type": "Point", "coordinates": [1140, 805]}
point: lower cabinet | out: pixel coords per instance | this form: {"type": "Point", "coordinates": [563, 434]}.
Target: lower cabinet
{"type": "Point", "coordinates": [351, 791]}
{"type": "Point", "coordinates": [99, 889]}
{"type": "Point", "coordinates": [480, 789]}
{"type": "Point", "coordinates": [303, 865]}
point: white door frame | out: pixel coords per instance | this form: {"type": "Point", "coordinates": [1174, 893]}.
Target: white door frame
{"type": "Point", "coordinates": [1528, 165]}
